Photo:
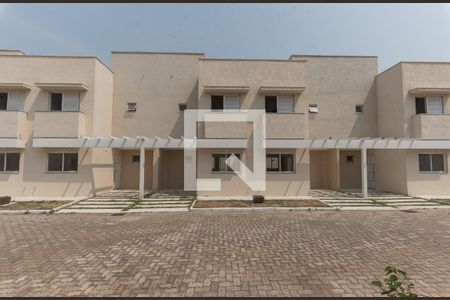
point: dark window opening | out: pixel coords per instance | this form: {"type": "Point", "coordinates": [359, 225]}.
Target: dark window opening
{"type": "Point", "coordinates": [3, 101]}
{"type": "Point", "coordinates": [136, 158]}
{"type": "Point", "coordinates": [431, 163]}
{"type": "Point", "coordinates": [9, 162]}
{"type": "Point", "coordinates": [420, 105]}
{"type": "Point", "coordinates": [56, 101]}
{"type": "Point", "coordinates": [182, 107]}
{"type": "Point", "coordinates": [217, 102]}
{"type": "Point", "coordinates": [349, 158]}
{"type": "Point", "coordinates": [279, 162]}
{"type": "Point", "coordinates": [62, 162]}
{"type": "Point", "coordinates": [219, 164]}
{"type": "Point", "coordinates": [70, 162]}
{"type": "Point", "coordinates": [359, 108]}
{"type": "Point", "coordinates": [271, 104]}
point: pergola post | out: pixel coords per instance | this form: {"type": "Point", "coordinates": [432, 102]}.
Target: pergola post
{"type": "Point", "coordinates": [141, 172]}
{"type": "Point", "coordinates": [364, 172]}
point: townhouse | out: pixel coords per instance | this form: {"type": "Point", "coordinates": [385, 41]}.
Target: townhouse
{"type": "Point", "coordinates": [71, 126]}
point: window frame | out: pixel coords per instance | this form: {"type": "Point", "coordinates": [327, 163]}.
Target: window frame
{"type": "Point", "coordinates": [426, 105]}
{"type": "Point", "coordinates": [277, 104]}
{"type": "Point", "coordinates": [430, 154]}
{"type": "Point", "coordinates": [62, 162]}
{"type": "Point", "coordinates": [228, 168]}
{"type": "Point", "coordinates": [279, 154]}
{"type": "Point", "coordinates": [62, 102]}
{"type": "Point", "coordinates": [223, 102]}
{"type": "Point", "coordinates": [4, 171]}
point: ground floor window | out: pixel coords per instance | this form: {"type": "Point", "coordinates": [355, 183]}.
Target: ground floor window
{"type": "Point", "coordinates": [280, 162]}
{"type": "Point", "coordinates": [219, 164]}
{"type": "Point", "coordinates": [9, 162]}
{"type": "Point", "coordinates": [62, 162]}
{"type": "Point", "coordinates": [431, 163]}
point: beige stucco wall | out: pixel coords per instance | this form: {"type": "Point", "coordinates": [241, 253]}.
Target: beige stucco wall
{"type": "Point", "coordinates": [350, 173]}
{"type": "Point", "coordinates": [336, 84]}
{"type": "Point", "coordinates": [254, 74]}
{"type": "Point", "coordinates": [277, 184]}
{"type": "Point", "coordinates": [391, 171]}
{"type": "Point", "coordinates": [157, 83]}
{"type": "Point", "coordinates": [130, 170]}
{"type": "Point", "coordinates": [324, 169]}
{"type": "Point", "coordinates": [12, 124]}
{"type": "Point", "coordinates": [426, 183]}
{"type": "Point", "coordinates": [95, 165]}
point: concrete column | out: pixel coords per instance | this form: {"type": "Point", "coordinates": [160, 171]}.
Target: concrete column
{"type": "Point", "coordinates": [141, 172]}
{"type": "Point", "coordinates": [156, 167]}
{"type": "Point", "coordinates": [364, 172]}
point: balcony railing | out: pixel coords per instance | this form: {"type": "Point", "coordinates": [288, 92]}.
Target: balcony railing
{"type": "Point", "coordinates": [424, 126]}
{"type": "Point", "coordinates": [59, 124]}
{"type": "Point", "coordinates": [12, 124]}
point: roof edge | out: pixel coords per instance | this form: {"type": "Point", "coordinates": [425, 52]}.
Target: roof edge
{"type": "Point", "coordinates": [150, 52]}
{"type": "Point", "coordinates": [337, 56]}
{"type": "Point", "coordinates": [252, 59]}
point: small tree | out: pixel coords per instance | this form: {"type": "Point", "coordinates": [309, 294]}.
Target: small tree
{"type": "Point", "coordinates": [396, 283]}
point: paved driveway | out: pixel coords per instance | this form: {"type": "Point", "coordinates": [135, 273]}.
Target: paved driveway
{"type": "Point", "coordinates": [230, 254]}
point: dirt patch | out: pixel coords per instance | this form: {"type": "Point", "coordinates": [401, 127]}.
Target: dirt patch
{"type": "Point", "coordinates": [31, 205]}
{"type": "Point", "coordinates": [267, 203]}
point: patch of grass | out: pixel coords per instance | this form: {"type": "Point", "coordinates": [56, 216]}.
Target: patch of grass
{"type": "Point", "coordinates": [267, 203]}
{"type": "Point", "coordinates": [33, 205]}
{"type": "Point", "coordinates": [441, 201]}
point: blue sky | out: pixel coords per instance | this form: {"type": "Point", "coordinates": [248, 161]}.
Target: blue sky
{"type": "Point", "coordinates": [393, 32]}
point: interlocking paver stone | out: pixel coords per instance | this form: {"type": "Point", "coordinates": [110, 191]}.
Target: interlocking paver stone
{"type": "Point", "coordinates": [296, 253]}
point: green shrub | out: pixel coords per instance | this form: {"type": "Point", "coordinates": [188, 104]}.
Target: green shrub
{"type": "Point", "coordinates": [396, 283]}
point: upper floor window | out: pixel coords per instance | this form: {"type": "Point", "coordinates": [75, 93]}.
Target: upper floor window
{"type": "Point", "coordinates": [429, 105]}
{"type": "Point", "coordinates": [62, 162]}
{"type": "Point", "coordinates": [64, 102]}
{"type": "Point", "coordinates": [219, 164]}
{"type": "Point", "coordinates": [431, 163]}
{"type": "Point", "coordinates": [283, 162]}
{"type": "Point", "coordinates": [131, 107]}
{"type": "Point", "coordinates": [225, 102]}
{"type": "Point", "coordinates": [12, 101]}
{"type": "Point", "coordinates": [182, 107]}
{"type": "Point", "coordinates": [279, 104]}
{"type": "Point", "coordinates": [9, 162]}
{"type": "Point", "coordinates": [359, 108]}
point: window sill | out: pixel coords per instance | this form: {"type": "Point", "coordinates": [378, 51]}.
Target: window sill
{"type": "Point", "coordinates": [433, 172]}
{"type": "Point", "coordinates": [61, 172]}
{"type": "Point", "coordinates": [9, 172]}
{"type": "Point", "coordinates": [224, 172]}
{"type": "Point", "coordinates": [280, 172]}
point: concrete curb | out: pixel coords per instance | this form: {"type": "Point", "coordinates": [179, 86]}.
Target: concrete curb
{"type": "Point", "coordinates": [263, 209]}
{"type": "Point", "coordinates": [69, 204]}
{"type": "Point", "coordinates": [25, 212]}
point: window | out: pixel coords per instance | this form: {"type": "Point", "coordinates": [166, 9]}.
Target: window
{"type": "Point", "coordinates": [429, 105]}
{"type": "Point", "coordinates": [279, 104]}
{"type": "Point", "coordinates": [219, 164]}
{"type": "Point", "coordinates": [62, 162]}
{"type": "Point", "coordinates": [225, 102]}
{"type": "Point", "coordinates": [359, 108]}
{"type": "Point", "coordinates": [131, 106]}
{"type": "Point", "coordinates": [280, 162]}
{"type": "Point", "coordinates": [431, 163]}
{"type": "Point", "coordinates": [135, 158]}
{"type": "Point", "coordinates": [349, 158]}
{"type": "Point", "coordinates": [64, 102]}
{"type": "Point", "coordinates": [3, 101]}
{"type": "Point", "coordinates": [182, 107]}
{"type": "Point", "coordinates": [12, 101]}
{"type": "Point", "coordinates": [9, 162]}
{"type": "Point", "coordinates": [313, 108]}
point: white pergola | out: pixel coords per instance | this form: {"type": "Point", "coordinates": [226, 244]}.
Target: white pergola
{"type": "Point", "coordinates": [143, 143]}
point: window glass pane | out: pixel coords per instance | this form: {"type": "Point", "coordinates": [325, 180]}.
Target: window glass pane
{"type": "Point", "coordinates": [287, 162]}
{"type": "Point", "coordinates": [434, 105]}
{"type": "Point", "coordinates": [16, 100]}
{"type": "Point", "coordinates": [217, 102]}
{"type": "Point", "coordinates": [272, 162]}
{"type": "Point", "coordinates": [3, 101]}
{"type": "Point", "coordinates": [12, 162]}
{"type": "Point", "coordinates": [285, 104]}
{"type": "Point", "coordinates": [231, 102]}
{"type": "Point", "coordinates": [55, 102]}
{"type": "Point", "coordinates": [271, 104]}
{"type": "Point", "coordinates": [2, 162]}
{"type": "Point", "coordinates": [424, 162]}
{"type": "Point", "coordinates": [420, 105]}
{"type": "Point", "coordinates": [222, 164]}
{"type": "Point", "coordinates": [437, 162]}
{"type": "Point", "coordinates": [216, 167]}
{"type": "Point", "coordinates": [71, 102]}
{"type": "Point", "coordinates": [55, 162]}
{"type": "Point", "coordinates": [70, 161]}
